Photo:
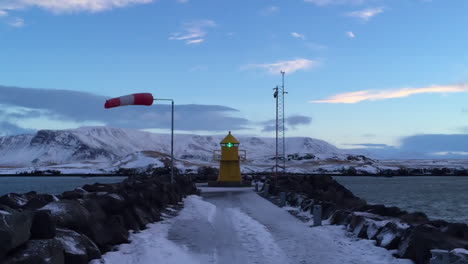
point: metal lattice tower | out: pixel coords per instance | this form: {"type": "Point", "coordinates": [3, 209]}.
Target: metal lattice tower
{"type": "Point", "coordinates": [280, 129]}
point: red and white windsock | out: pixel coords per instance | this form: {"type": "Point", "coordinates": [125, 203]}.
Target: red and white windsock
{"type": "Point", "coordinates": [132, 99]}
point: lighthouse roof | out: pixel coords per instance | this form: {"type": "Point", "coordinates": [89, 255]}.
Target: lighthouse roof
{"type": "Point", "coordinates": [230, 139]}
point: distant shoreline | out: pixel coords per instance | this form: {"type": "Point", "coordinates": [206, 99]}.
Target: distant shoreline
{"type": "Point", "coordinates": [252, 174]}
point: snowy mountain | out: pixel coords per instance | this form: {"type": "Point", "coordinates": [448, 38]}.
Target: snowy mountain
{"type": "Point", "coordinates": [115, 146]}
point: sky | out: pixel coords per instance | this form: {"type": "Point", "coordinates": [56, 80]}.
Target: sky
{"type": "Point", "coordinates": [386, 76]}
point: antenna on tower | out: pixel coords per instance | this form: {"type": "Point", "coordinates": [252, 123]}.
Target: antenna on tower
{"type": "Point", "coordinates": [280, 129]}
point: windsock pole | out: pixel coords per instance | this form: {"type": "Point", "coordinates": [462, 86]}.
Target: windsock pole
{"type": "Point", "coordinates": [144, 99]}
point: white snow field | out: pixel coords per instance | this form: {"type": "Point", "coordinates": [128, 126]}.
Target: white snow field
{"type": "Point", "coordinates": [238, 226]}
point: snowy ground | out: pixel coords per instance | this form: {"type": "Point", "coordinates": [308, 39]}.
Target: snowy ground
{"type": "Point", "coordinates": [237, 226]}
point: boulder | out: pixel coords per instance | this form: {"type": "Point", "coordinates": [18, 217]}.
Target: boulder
{"type": "Point", "coordinates": [48, 251]}
{"type": "Point", "coordinates": [38, 201]}
{"type": "Point", "coordinates": [417, 241]}
{"type": "Point", "coordinates": [389, 236]}
{"type": "Point", "coordinates": [70, 214]}
{"type": "Point", "coordinates": [78, 248]}
{"type": "Point", "coordinates": [415, 218]}
{"type": "Point", "coordinates": [99, 187]}
{"type": "Point", "coordinates": [13, 200]}
{"type": "Point", "coordinates": [357, 223]}
{"type": "Point", "coordinates": [457, 230]}
{"type": "Point", "coordinates": [14, 230]}
{"type": "Point", "coordinates": [109, 233]}
{"type": "Point", "coordinates": [340, 217]}
{"type": "Point", "coordinates": [382, 210]}
{"type": "Point", "coordinates": [111, 203]}
{"type": "Point", "coordinates": [43, 226]}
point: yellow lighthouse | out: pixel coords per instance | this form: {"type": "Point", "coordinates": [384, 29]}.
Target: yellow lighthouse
{"type": "Point", "coordinates": [230, 158]}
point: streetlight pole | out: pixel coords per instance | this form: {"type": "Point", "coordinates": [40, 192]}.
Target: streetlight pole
{"type": "Point", "coordinates": [172, 136]}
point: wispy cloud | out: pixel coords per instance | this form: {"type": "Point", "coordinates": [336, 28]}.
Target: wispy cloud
{"type": "Point", "coordinates": [350, 34]}
{"type": "Point", "coordinates": [334, 2]}
{"type": "Point", "coordinates": [269, 10]}
{"type": "Point", "coordinates": [3, 13]}
{"type": "Point", "coordinates": [366, 14]}
{"type": "Point", "coordinates": [286, 66]}
{"type": "Point", "coordinates": [195, 31]}
{"type": "Point", "coordinates": [292, 122]}
{"type": "Point", "coordinates": [298, 35]}
{"type": "Point", "coordinates": [64, 6]}
{"type": "Point", "coordinates": [36, 108]}
{"type": "Point", "coordinates": [359, 96]}
{"type": "Point", "coordinates": [16, 22]}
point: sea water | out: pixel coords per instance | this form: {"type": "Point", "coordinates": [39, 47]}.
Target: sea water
{"type": "Point", "coordinates": [440, 197]}
{"type": "Point", "coordinates": [49, 185]}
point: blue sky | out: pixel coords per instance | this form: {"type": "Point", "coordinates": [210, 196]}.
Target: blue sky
{"type": "Point", "coordinates": [357, 71]}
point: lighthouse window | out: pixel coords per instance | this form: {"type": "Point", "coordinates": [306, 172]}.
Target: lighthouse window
{"type": "Point", "coordinates": [229, 145]}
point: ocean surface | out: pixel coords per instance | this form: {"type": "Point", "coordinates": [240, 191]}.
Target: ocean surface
{"type": "Point", "coordinates": [439, 197]}
{"type": "Point", "coordinates": [50, 185]}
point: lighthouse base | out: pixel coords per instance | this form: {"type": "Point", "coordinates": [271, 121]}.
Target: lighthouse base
{"type": "Point", "coordinates": [228, 184]}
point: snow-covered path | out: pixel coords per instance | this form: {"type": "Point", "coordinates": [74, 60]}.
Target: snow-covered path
{"type": "Point", "coordinates": [230, 226]}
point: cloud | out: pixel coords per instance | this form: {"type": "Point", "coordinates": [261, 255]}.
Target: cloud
{"type": "Point", "coordinates": [334, 2]}
{"type": "Point", "coordinates": [7, 128]}
{"type": "Point", "coordinates": [27, 105]}
{"type": "Point", "coordinates": [350, 34]}
{"type": "Point", "coordinates": [16, 22]}
{"type": "Point", "coordinates": [297, 35]}
{"type": "Point", "coordinates": [369, 145]}
{"type": "Point", "coordinates": [436, 143]}
{"type": "Point", "coordinates": [270, 10]}
{"type": "Point", "coordinates": [195, 31]}
{"type": "Point", "coordinates": [366, 14]}
{"type": "Point", "coordinates": [183, 1]}
{"type": "Point", "coordinates": [3, 13]}
{"type": "Point", "coordinates": [68, 6]}
{"type": "Point", "coordinates": [359, 96]}
{"type": "Point", "coordinates": [286, 66]}
{"type": "Point", "coordinates": [291, 122]}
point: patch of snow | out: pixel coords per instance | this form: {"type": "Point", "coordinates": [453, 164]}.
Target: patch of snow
{"type": "Point", "coordinates": [196, 208]}
{"type": "Point", "coordinates": [460, 251]}
{"type": "Point", "coordinates": [70, 245]}
{"type": "Point", "coordinates": [116, 196]}
{"type": "Point", "coordinates": [4, 212]}
{"type": "Point", "coordinates": [54, 208]}
{"type": "Point", "coordinates": [248, 229]}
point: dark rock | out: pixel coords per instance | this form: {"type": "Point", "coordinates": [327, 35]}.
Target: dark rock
{"type": "Point", "coordinates": [13, 200]}
{"type": "Point", "coordinates": [38, 201]}
{"type": "Point", "coordinates": [48, 251]}
{"type": "Point", "coordinates": [415, 218]}
{"type": "Point", "coordinates": [70, 214]}
{"type": "Point", "coordinates": [78, 248]}
{"type": "Point", "coordinates": [457, 230]}
{"type": "Point", "coordinates": [417, 242]}
{"type": "Point", "coordinates": [142, 217]}
{"type": "Point", "coordinates": [111, 203]}
{"type": "Point", "coordinates": [14, 230]}
{"type": "Point", "coordinates": [7, 209]}
{"type": "Point", "coordinates": [327, 209]}
{"type": "Point", "coordinates": [372, 230]}
{"type": "Point", "coordinates": [356, 223]}
{"type": "Point", "coordinates": [109, 233]}
{"type": "Point", "coordinates": [98, 187]}
{"type": "Point", "coordinates": [43, 226]}
{"type": "Point", "coordinates": [389, 236]}
{"type": "Point", "coordinates": [307, 204]}
{"type": "Point", "coordinates": [340, 217]}
{"type": "Point", "coordinates": [382, 210]}
{"type": "Point", "coordinates": [73, 195]}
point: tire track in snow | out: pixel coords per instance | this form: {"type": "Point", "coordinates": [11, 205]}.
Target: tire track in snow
{"type": "Point", "coordinates": [254, 236]}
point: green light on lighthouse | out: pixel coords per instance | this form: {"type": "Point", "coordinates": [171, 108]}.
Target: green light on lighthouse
{"type": "Point", "coordinates": [229, 145]}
